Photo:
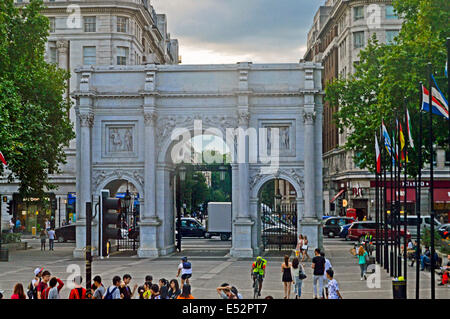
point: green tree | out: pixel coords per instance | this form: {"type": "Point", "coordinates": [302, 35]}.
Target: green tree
{"type": "Point", "coordinates": [34, 122]}
{"type": "Point", "coordinates": [388, 73]}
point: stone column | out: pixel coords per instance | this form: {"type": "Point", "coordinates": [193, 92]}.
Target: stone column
{"type": "Point", "coordinates": [86, 118]}
{"type": "Point", "coordinates": [150, 222]}
{"type": "Point", "coordinates": [310, 224]}
{"type": "Point", "coordinates": [242, 225]}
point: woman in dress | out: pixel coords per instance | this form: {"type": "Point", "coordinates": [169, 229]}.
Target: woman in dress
{"type": "Point", "coordinates": [305, 248]}
{"type": "Point", "coordinates": [298, 249]}
{"type": "Point", "coordinates": [287, 277]}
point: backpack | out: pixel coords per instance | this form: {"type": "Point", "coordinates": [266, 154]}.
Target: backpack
{"type": "Point", "coordinates": [32, 292]}
{"type": "Point", "coordinates": [187, 265]}
{"type": "Point", "coordinates": [109, 294]}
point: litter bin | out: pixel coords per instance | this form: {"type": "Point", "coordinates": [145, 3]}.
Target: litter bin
{"type": "Point", "coordinates": [33, 231]}
{"type": "Point", "coordinates": [4, 254]}
{"type": "Point", "coordinates": [399, 288]}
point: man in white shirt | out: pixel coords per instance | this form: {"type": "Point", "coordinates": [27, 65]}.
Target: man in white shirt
{"type": "Point", "coordinates": [185, 268]}
{"type": "Point", "coordinates": [51, 238]}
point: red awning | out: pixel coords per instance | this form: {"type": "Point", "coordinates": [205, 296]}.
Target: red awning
{"type": "Point", "coordinates": [441, 195]}
{"type": "Point", "coordinates": [410, 195]}
{"type": "Point", "coordinates": [337, 195]}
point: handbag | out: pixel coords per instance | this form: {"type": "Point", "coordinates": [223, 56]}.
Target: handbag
{"type": "Point", "coordinates": [301, 275]}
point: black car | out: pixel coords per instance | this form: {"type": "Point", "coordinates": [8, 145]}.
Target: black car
{"type": "Point", "coordinates": [332, 225]}
{"type": "Point", "coordinates": [65, 233]}
{"type": "Point", "coordinates": [190, 227]}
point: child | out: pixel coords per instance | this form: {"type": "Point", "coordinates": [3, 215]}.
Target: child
{"type": "Point", "coordinates": [333, 287]}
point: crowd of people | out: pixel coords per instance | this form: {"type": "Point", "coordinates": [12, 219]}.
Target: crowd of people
{"type": "Point", "coordinates": [44, 286]}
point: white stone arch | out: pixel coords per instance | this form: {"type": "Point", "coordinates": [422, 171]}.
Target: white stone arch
{"type": "Point", "coordinates": [167, 143]}
{"type": "Point", "coordinates": [125, 176]}
{"type": "Point", "coordinates": [254, 203]}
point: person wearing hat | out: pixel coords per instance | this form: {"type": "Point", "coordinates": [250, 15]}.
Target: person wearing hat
{"type": "Point", "coordinates": [185, 268]}
{"type": "Point", "coordinates": [32, 287]}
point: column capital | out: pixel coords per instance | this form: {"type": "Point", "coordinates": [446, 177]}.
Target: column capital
{"type": "Point", "coordinates": [87, 119]}
{"type": "Point", "coordinates": [243, 117]}
{"type": "Point", "coordinates": [62, 46]}
{"type": "Point", "coordinates": [309, 117]}
{"type": "Point", "coordinates": [150, 118]}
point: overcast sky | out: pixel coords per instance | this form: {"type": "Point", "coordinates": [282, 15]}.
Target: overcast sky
{"type": "Point", "coordinates": [229, 31]}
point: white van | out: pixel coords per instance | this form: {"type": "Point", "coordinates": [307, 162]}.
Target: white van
{"type": "Point", "coordinates": [424, 223]}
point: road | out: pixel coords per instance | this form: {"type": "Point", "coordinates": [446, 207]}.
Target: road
{"type": "Point", "coordinates": [212, 266]}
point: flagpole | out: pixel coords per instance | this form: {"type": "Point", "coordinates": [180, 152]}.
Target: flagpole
{"type": "Point", "coordinates": [405, 210]}
{"type": "Point", "coordinates": [397, 231]}
{"type": "Point", "coordinates": [391, 251]}
{"type": "Point", "coordinates": [430, 70]}
{"type": "Point", "coordinates": [377, 220]}
{"type": "Point", "coordinates": [418, 199]}
{"type": "Point", "coordinates": [385, 242]}
{"type": "Point", "coordinates": [394, 210]}
{"type": "Point", "coordinates": [381, 239]}
{"type": "Point", "coordinates": [448, 86]}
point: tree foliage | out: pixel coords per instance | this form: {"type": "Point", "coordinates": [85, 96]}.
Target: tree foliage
{"type": "Point", "coordinates": [34, 122]}
{"type": "Point", "coordinates": [389, 73]}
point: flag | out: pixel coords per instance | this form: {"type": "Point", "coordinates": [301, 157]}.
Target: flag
{"type": "Point", "coordinates": [387, 140]}
{"type": "Point", "coordinates": [2, 158]}
{"type": "Point", "coordinates": [378, 157]}
{"type": "Point", "coordinates": [402, 140]}
{"type": "Point", "coordinates": [387, 143]}
{"type": "Point", "coordinates": [440, 105]}
{"type": "Point", "coordinates": [408, 128]}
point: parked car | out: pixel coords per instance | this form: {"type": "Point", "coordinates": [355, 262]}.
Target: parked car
{"type": "Point", "coordinates": [278, 235]}
{"type": "Point", "coordinates": [358, 230]}
{"type": "Point", "coordinates": [332, 225]}
{"type": "Point", "coordinates": [65, 233]}
{"type": "Point", "coordinates": [191, 227]}
{"type": "Point", "coordinates": [344, 231]}
{"type": "Point", "coordinates": [424, 223]}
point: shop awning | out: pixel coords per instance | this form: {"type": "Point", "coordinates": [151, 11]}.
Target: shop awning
{"type": "Point", "coordinates": [410, 195]}
{"type": "Point", "coordinates": [337, 195]}
{"type": "Point", "coordinates": [442, 195]}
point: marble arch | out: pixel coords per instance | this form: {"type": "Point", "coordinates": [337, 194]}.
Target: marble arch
{"type": "Point", "coordinates": [126, 115]}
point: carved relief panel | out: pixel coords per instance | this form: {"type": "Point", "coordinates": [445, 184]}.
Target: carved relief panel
{"type": "Point", "coordinates": [119, 139]}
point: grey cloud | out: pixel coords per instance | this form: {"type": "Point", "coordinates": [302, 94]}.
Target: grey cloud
{"type": "Point", "coordinates": [269, 29]}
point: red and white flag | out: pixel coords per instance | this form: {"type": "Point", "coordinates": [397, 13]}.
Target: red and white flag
{"type": "Point", "coordinates": [377, 152]}
{"type": "Point", "coordinates": [2, 158]}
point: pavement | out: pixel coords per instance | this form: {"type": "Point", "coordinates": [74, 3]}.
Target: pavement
{"type": "Point", "coordinates": [212, 266]}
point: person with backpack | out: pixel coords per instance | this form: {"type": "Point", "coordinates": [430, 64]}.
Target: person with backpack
{"type": "Point", "coordinates": [32, 287]}
{"type": "Point", "coordinates": [298, 273]}
{"type": "Point", "coordinates": [185, 268]}
{"type": "Point", "coordinates": [52, 292]}
{"type": "Point", "coordinates": [362, 260]}
{"type": "Point", "coordinates": [113, 291]}
{"type": "Point", "coordinates": [99, 288]}
{"type": "Point", "coordinates": [78, 292]}
{"type": "Point", "coordinates": [325, 278]}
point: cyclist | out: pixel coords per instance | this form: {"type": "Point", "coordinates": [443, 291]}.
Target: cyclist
{"type": "Point", "coordinates": [258, 272]}
{"type": "Point", "coordinates": [368, 243]}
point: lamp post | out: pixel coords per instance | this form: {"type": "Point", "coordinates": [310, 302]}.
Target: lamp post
{"type": "Point", "coordinates": [181, 176]}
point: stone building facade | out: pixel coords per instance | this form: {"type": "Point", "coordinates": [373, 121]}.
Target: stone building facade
{"type": "Point", "coordinates": [341, 28]}
{"type": "Point", "coordinates": [94, 32]}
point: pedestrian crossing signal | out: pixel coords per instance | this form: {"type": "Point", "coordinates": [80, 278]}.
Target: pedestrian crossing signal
{"type": "Point", "coordinates": [10, 207]}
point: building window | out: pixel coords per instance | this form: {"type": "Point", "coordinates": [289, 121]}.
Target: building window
{"type": "Point", "coordinates": [358, 39]}
{"type": "Point", "coordinates": [53, 57]}
{"type": "Point", "coordinates": [390, 13]}
{"type": "Point", "coordinates": [90, 24]}
{"type": "Point", "coordinates": [122, 24]}
{"type": "Point", "coordinates": [52, 24]}
{"type": "Point", "coordinates": [122, 55]}
{"type": "Point", "coordinates": [358, 13]}
{"type": "Point", "coordinates": [89, 55]}
{"type": "Point", "coordinates": [390, 36]}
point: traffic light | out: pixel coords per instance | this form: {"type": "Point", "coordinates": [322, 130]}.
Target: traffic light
{"type": "Point", "coordinates": [10, 207]}
{"type": "Point", "coordinates": [54, 204]}
{"type": "Point", "coordinates": [110, 217]}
